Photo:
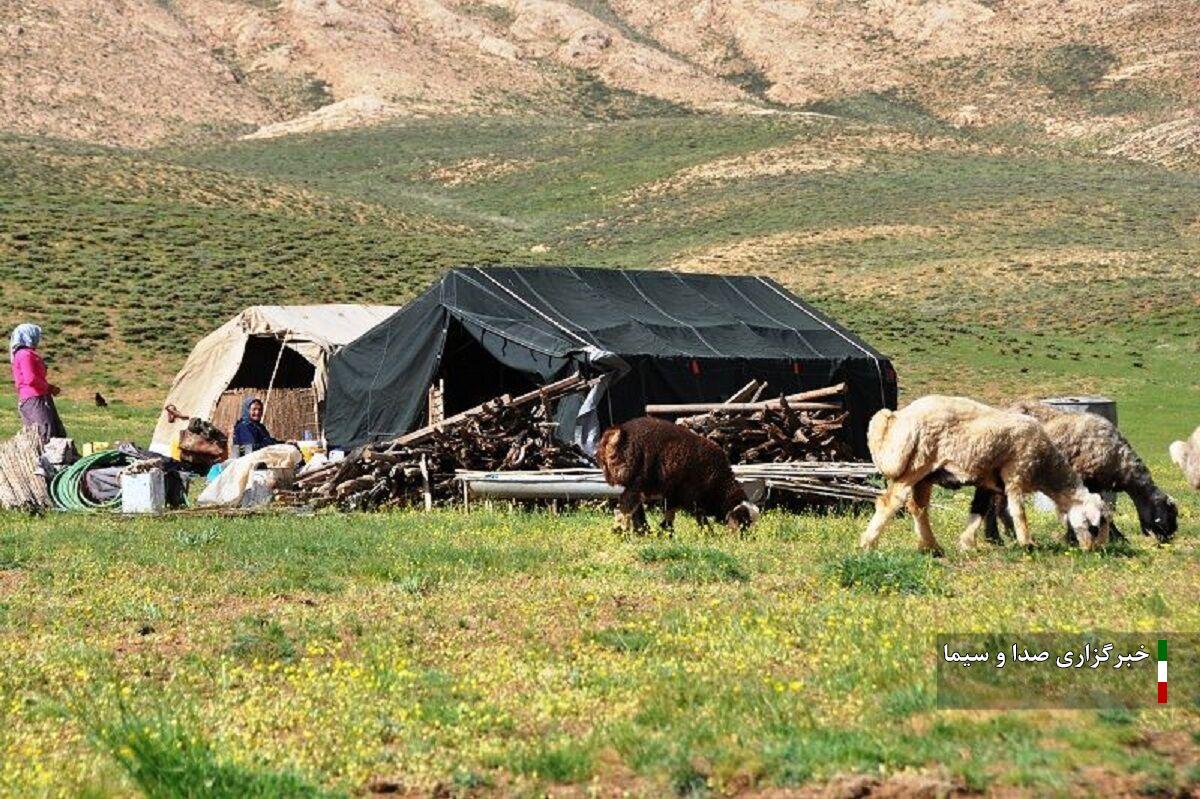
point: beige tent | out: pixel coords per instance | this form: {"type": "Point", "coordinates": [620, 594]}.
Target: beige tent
{"type": "Point", "coordinates": [277, 352]}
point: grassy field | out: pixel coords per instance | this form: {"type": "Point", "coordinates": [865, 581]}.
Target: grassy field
{"type": "Point", "coordinates": [453, 655]}
{"type": "Point", "coordinates": [1025, 263]}
{"type": "Point", "coordinates": [456, 655]}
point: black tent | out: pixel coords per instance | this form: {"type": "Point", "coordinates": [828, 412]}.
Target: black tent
{"type": "Point", "coordinates": [660, 336]}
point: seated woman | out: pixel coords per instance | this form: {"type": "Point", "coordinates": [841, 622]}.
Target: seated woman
{"type": "Point", "coordinates": [250, 434]}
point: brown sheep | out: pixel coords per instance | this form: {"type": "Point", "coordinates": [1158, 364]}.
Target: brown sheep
{"type": "Point", "coordinates": [652, 458]}
{"type": "Point", "coordinates": [955, 440]}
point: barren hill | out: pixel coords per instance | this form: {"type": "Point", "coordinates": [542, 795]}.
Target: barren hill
{"type": "Point", "coordinates": [145, 72]}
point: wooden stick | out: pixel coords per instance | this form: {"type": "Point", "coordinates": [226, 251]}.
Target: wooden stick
{"type": "Point", "coordinates": [746, 392]}
{"type": "Point", "coordinates": [794, 401]}
{"type": "Point", "coordinates": [818, 393]}
{"type": "Point", "coordinates": [560, 386]}
{"type": "Point", "coordinates": [738, 407]}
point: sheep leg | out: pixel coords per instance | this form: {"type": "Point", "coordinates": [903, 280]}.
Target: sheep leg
{"type": "Point", "coordinates": [918, 506]}
{"type": "Point", "coordinates": [631, 513]}
{"type": "Point", "coordinates": [1016, 509]}
{"type": "Point", "coordinates": [886, 506]}
{"type": "Point", "coordinates": [1114, 533]}
{"type": "Point", "coordinates": [983, 505]}
{"type": "Point", "coordinates": [668, 520]}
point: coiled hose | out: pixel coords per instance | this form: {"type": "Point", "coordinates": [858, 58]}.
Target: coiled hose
{"type": "Point", "coordinates": [67, 490]}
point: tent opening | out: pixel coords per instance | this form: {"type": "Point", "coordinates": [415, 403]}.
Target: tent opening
{"type": "Point", "coordinates": [258, 364]}
{"type": "Point", "coordinates": [473, 376]}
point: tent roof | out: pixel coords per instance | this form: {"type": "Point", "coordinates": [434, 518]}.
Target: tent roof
{"type": "Point", "coordinates": [668, 336]}
{"type": "Point", "coordinates": [313, 331]}
{"type": "Point", "coordinates": [556, 310]}
{"type": "Point", "coordinates": [327, 326]}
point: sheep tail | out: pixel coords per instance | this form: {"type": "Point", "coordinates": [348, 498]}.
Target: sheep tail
{"type": "Point", "coordinates": [893, 443]}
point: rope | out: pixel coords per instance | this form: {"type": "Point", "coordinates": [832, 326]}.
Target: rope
{"type": "Point", "coordinates": [274, 372]}
{"type": "Point", "coordinates": [512, 294]}
{"type": "Point", "coordinates": [67, 488]}
{"type": "Point", "coordinates": [850, 341]}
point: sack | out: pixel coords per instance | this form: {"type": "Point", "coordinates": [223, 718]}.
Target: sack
{"type": "Point", "coordinates": [204, 429]}
{"type": "Point", "coordinates": [197, 449]}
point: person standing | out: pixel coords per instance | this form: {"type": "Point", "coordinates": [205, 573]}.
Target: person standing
{"type": "Point", "coordinates": [35, 395]}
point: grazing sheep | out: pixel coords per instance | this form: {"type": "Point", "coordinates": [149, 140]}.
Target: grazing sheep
{"type": "Point", "coordinates": [1105, 461]}
{"type": "Point", "coordinates": [652, 458]}
{"type": "Point", "coordinates": [1186, 455]}
{"type": "Point", "coordinates": [957, 441]}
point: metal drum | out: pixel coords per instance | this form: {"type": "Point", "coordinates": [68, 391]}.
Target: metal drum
{"type": "Point", "coordinates": [1101, 406]}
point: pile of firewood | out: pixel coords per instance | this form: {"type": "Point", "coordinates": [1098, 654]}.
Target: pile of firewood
{"type": "Point", "coordinates": [418, 468]}
{"type": "Point", "coordinates": [22, 485]}
{"type": "Point", "coordinates": [798, 427]}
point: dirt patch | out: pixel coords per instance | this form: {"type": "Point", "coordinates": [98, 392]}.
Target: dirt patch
{"type": "Point", "coordinates": [477, 170]}
{"type": "Point", "coordinates": [12, 581]}
{"type": "Point", "coordinates": [903, 785]}
{"type": "Point", "coordinates": [351, 112]}
{"type": "Point", "coordinates": [751, 253]}
{"type": "Point", "coordinates": [772, 162]}
{"type": "Point", "coordinates": [1173, 143]}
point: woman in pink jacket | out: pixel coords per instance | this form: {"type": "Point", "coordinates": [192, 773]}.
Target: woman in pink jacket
{"type": "Point", "coordinates": [35, 396]}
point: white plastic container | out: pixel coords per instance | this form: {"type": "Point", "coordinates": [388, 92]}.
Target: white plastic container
{"type": "Point", "coordinates": [144, 492]}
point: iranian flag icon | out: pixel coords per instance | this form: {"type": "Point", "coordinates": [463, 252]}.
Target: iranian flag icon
{"type": "Point", "coordinates": [1162, 672]}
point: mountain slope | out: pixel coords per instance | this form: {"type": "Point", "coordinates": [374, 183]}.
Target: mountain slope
{"type": "Point", "coordinates": [143, 72]}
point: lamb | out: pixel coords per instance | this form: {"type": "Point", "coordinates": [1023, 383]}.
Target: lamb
{"type": "Point", "coordinates": [1105, 461]}
{"type": "Point", "coordinates": [653, 458]}
{"type": "Point", "coordinates": [958, 441]}
{"type": "Point", "coordinates": [1186, 455]}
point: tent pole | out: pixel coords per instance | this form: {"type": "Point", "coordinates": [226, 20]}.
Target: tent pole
{"type": "Point", "coordinates": [275, 371]}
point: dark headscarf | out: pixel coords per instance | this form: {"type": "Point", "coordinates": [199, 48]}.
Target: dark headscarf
{"type": "Point", "coordinates": [248, 431]}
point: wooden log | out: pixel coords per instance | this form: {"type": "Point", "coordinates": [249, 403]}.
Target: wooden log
{"type": "Point", "coordinates": [739, 407]}
{"type": "Point", "coordinates": [567, 384]}
{"type": "Point", "coordinates": [747, 392]}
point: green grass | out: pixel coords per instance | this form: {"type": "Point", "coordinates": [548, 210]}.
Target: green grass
{"type": "Point", "coordinates": [887, 572]}
{"type": "Point", "coordinates": [929, 241]}
{"type": "Point", "coordinates": [502, 654]}
{"type": "Point", "coordinates": [284, 653]}
{"type": "Point", "coordinates": [166, 761]}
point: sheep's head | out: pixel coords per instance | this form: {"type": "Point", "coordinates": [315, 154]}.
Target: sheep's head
{"type": "Point", "coordinates": [1187, 459]}
{"type": "Point", "coordinates": [1090, 518]}
{"type": "Point", "coordinates": [1178, 450]}
{"type": "Point", "coordinates": [1159, 517]}
{"type": "Point", "coordinates": [741, 517]}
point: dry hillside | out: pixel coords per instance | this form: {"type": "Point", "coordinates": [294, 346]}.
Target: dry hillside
{"type": "Point", "coordinates": [144, 72]}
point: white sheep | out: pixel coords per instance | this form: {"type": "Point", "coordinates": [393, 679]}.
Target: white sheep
{"type": "Point", "coordinates": [957, 441]}
{"type": "Point", "coordinates": [1186, 455]}
{"type": "Point", "coordinates": [1105, 461]}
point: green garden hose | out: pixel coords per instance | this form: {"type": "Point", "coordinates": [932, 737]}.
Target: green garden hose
{"type": "Point", "coordinates": [66, 488]}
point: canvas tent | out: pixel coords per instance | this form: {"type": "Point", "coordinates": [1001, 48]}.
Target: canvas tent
{"type": "Point", "coordinates": [280, 352]}
{"type": "Point", "coordinates": [660, 336]}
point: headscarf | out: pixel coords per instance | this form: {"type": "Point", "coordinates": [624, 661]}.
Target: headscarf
{"type": "Point", "coordinates": [24, 336]}
{"type": "Point", "coordinates": [246, 428]}
{"type": "Point", "coordinates": [246, 403]}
